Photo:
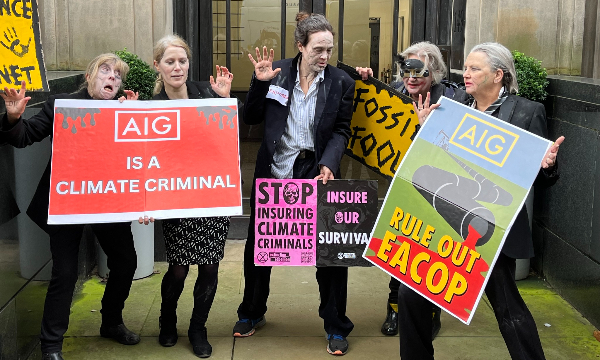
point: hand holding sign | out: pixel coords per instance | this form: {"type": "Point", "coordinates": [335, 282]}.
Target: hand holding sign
{"type": "Point", "coordinates": [364, 72]}
{"type": "Point", "coordinates": [15, 102]}
{"type": "Point", "coordinates": [130, 95]}
{"type": "Point", "coordinates": [222, 86]}
{"type": "Point", "coordinates": [325, 174]}
{"type": "Point", "coordinates": [550, 157]}
{"type": "Point", "coordinates": [263, 67]}
{"type": "Point", "coordinates": [145, 220]}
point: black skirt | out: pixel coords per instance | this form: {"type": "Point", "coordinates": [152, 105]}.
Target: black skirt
{"type": "Point", "coordinates": [195, 241]}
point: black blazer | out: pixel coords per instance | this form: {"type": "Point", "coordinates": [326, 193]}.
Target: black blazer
{"type": "Point", "coordinates": [333, 113]}
{"type": "Point", "coordinates": [25, 133]}
{"type": "Point", "coordinates": [530, 116]}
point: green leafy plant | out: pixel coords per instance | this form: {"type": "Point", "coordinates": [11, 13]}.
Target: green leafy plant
{"type": "Point", "coordinates": [141, 76]}
{"type": "Point", "coordinates": [531, 77]}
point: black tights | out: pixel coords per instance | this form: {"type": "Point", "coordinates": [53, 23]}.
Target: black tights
{"type": "Point", "coordinates": [204, 292]}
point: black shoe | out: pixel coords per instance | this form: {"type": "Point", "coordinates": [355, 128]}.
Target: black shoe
{"type": "Point", "coordinates": [246, 327]}
{"type": "Point", "coordinates": [337, 344]}
{"type": "Point", "coordinates": [437, 323]}
{"type": "Point", "coordinates": [52, 356]}
{"type": "Point", "coordinates": [120, 333]}
{"type": "Point", "coordinates": [200, 344]}
{"type": "Point", "coordinates": [390, 325]}
{"type": "Point", "coordinates": [168, 332]}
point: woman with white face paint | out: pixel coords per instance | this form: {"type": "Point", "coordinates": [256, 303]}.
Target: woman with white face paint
{"type": "Point", "coordinates": [104, 76]}
{"type": "Point", "coordinates": [306, 107]}
{"type": "Point", "coordinates": [190, 241]}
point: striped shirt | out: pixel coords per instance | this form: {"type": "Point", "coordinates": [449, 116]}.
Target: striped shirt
{"type": "Point", "coordinates": [298, 134]}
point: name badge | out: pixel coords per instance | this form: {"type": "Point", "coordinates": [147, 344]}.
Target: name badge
{"type": "Point", "coordinates": [279, 94]}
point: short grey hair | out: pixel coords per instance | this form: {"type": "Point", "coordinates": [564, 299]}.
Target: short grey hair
{"type": "Point", "coordinates": [433, 60]}
{"type": "Point", "coordinates": [499, 57]}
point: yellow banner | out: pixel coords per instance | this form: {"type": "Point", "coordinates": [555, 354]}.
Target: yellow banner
{"type": "Point", "coordinates": [383, 125]}
{"type": "Point", "coordinates": [21, 56]}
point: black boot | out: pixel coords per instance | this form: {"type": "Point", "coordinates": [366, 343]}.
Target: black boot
{"type": "Point", "coordinates": [120, 333]}
{"type": "Point", "coordinates": [52, 356]}
{"type": "Point", "coordinates": [437, 323]}
{"type": "Point", "coordinates": [168, 330]}
{"type": "Point", "coordinates": [199, 342]}
{"type": "Point", "coordinates": [390, 325]}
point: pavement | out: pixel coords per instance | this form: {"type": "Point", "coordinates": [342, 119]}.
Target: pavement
{"type": "Point", "coordinates": [294, 329]}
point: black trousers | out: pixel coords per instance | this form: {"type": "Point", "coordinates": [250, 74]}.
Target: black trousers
{"type": "Point", "coordinates": [333, 281]}
{"type": "Point", "coordinates": [117, 242]}
{"type": "Point", "coordinates": [514, 319]}
{"type": "Point", "coordinates": [393, 295]}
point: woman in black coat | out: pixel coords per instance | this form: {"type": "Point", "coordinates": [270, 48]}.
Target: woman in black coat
{"type": "Point", "coordinates": [103, 76]}
{"type": "Point", "coordinates": [490, 78]}
{"type": "Point", "coordinates": [190, 241]}
{"type": "Point", "coordinates": [424, 80]}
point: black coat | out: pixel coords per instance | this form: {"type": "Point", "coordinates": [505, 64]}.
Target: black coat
{"type": "Point", "coordinates": [198, 90]}
{"type": "Point", "coordinates": [25, 133]}
{"type": "Point", "coordinates": [530, 116]}
{"type": "Point", "coordinates": [333, 113]}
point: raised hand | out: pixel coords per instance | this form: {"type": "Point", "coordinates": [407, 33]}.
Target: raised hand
{"type": "Point", "coordinates": [423, 109]}
{"type": "Point", "coordinates": [550, 157]}
{"type": "Point", "coordinates": [15, 102]}
{"type": "Point", "coordinates": [263, 67]}
{"type": "Point", "coordinates": [130, 95]}
{"type": "Point", "coordinates": [222, 85]}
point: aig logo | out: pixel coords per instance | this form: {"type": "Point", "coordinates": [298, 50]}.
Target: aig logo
{"type": "Point", "coordinates": [156, 125]}
{"type": "Point", "coordinates": [484, 139]}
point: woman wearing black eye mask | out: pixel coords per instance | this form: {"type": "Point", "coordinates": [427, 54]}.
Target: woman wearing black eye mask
{"type": "Point", "coordinates": [421, 77]}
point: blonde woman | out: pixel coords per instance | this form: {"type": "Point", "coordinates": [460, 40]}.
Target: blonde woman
{"type": "Point", "coordinates": [190, 241]}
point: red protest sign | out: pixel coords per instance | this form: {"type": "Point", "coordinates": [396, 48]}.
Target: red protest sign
{"type": "Point", "coordinates": [116, 162]}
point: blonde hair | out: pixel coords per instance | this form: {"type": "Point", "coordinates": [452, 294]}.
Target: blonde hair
{"type": "Point", "coordinates": [499, 57]}
{"type": "Point", "coordinates": [159, 51]}
{"type": "Point", "coordinates": [433, 60]}
{"type": "Point", "coordinates": [92, 69]}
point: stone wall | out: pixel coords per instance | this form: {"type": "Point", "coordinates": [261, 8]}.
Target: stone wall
{"type": "Point", "coordinates": [549, 30]}
{"type": "Point", "coordinates": [76, 31]}
{"type": "Point", "coordinates": [566, 229]}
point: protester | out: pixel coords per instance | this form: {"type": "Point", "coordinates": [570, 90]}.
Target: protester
{"type": "Point", "coordinates": [319, 107]}
{"type": "Point", "coordinates": [190, 241]}
{"type": "Point", "coordinates": [103, 76]}
{"type": "Point", "coordinates": [420, 81]}
{"type": "Point", "coordinates": [490, 79]}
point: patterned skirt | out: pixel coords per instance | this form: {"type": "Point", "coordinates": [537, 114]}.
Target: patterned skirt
{"type": "Point", "coordinates": [195, 241]}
